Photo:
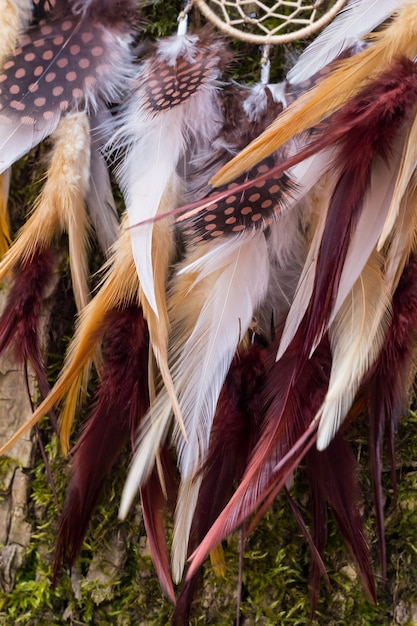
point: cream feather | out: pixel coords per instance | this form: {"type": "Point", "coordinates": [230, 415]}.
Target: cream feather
{"type": "Point", "coordinates": [356, 337]}
{"type": "Point", "coordinates": [205, 359]}
{"type": "Point", "coordinates": [15, 16]}
{"type": "Point", "coordinates": [224, 286]}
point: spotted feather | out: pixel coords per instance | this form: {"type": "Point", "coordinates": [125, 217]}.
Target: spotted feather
{"type": "Point", "coordinates": [66, 63]}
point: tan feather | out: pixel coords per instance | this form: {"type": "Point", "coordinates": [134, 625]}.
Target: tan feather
{"type": "Point", "coordinates": [119, 286]}
{"type": "Point", "coordinates": [163, 249]}
{"type": "Point", "coordinates": [14, 18]}
{"type": "Point", "coordinates": [348, 77]}
{"type": "Point", "coordinates": [60, 205]}
{"type": "Point", "coordinates": [4, 215]}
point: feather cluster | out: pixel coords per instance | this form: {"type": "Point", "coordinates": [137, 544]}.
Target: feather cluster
{"type": "Point", "coordinates": [259, 291]}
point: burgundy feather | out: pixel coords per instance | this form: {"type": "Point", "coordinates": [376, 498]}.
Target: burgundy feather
{"type": "Point", "coordinates": [235, 429]}
{"type": "Point", "coordinates": [385, 401]}
{"type": "Point", "coordinates": [287, 419]}
{"type": "Point", "coordinates": [368, 124]}
{"type": "Point", "coordinates": [153, 504]}
{"type": "Point", "coordinates": [121, 401]}
{"type": "Point", "coordinates": [332, 475]}
{"type": "Point", "coordinates": [19, 321]}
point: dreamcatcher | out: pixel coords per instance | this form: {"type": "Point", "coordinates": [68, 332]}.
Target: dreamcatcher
{"type": "Point", "coordinates": [261, 282]}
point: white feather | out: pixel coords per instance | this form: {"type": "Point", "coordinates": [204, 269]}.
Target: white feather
{"type": "Point", "coordinates": [357, 19]}
{"type": "Point", "coordinates": [99, 198]}
{"type": "Point", "coordinates": [17, 140]}
{"type": "Point", "coordinates": [155, 145]}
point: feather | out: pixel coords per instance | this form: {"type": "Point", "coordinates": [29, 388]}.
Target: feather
{"type": "Point", "coordinates": [99, 199]}
{"type": "Point", "coordinates": [332, 474]}
{"type": "Point", "coordinates": [286, 419]}
{"type": "Point", "coordinates": [19, 321]}
{"type": "Point", "coordinates": [406, 173]}
{"type": "Point", "coordinates": [119, 286]}
{"type": "Point", "coordinates": [60, 205]}
{"type": "Point", "coordinates": [355, 20]}
{"type": "Point", "coordinates": [396, 364]}
{"type": "Point", "coordinates": [174, 101]}
{"type": "Point", "coordinates": [153, 498]}
{"type": "Point", "coordinates": [377, 128]}
{"type": "Point", "coordinates": [70, 63]}
{"type": "Point", "coordinates": [15, 16]}
{"type": "Point", "coordinates": [14, 19]}
{"type": "Point", "coordinates": [356, 338]}
{"type": "Point", "coordinates": [233, 435]}
{"type": "Point", "coordinates": [345, 81]}
{"type": "Point", "coordinates": [226, 313]}
{"type": "Point", "coordinates": [158, 325]}
{"type": "Point", "coordinates": [121, 400]}
{"type": "Point", "coordinates": [4, 215]}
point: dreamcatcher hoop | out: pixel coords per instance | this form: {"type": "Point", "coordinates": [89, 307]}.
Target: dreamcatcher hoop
{"type": "Point", "coordinates": [234, 16]}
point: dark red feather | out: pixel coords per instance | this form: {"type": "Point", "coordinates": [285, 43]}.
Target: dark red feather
{"type": "Point", "coordinates": [233, 436]}
{"type": "Point", "coordinates": [21, 316]}
{"type": "Point", "coordinates": [121, 401]}
{"type": "Point", "coordinates": [153, 505]}
{"type": "Point", "coordinates": [386, 400]}
{"type": "Point", "coordinates": [332, 476]}
{"type": "Point", "coordinates": [287, 418]}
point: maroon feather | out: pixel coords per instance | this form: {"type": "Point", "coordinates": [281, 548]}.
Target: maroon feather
{"type": "Point", "coordinates": [153, 504]}
{"type": "Point", "coordinates": [121, 401]}
{"type": "Point", "coordinates": [19, 321]}
{"type": "Point", "coordinates": [287, 419]}
{"type": "Point", "coordinates": [368, 125]}
{"type": "Point", "coordinates": [235, 430]}
{"type": "Point", "coordinates": [332, 475]}
{"type": "Point", "coordinates": [385, 401]}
